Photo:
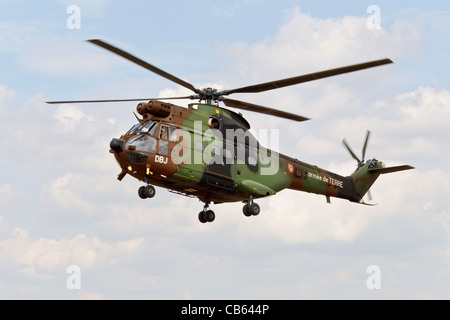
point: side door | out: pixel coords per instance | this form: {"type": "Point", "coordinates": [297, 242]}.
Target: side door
{"type": "Point", "coordinates": [166, 142]}
{"type": "Point", "coordinates": [220, 171]}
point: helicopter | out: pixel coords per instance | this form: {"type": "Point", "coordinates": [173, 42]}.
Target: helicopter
{"type": "Point", "coordinates": [208, 152]}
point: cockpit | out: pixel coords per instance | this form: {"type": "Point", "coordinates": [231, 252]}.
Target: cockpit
{"type": "Point", "coordinates": [149, 127]}
{"type": "Point", "coordinates": [153, 136]}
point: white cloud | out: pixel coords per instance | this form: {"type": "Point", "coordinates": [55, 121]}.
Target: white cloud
{"type": "Point", "coordinates": [59, 192]}
{"type": "Point", "coordinates": [44, 256]}
{"type": "Point", "coordinates": [307, 218]}
{"type": "Point", "coordinates": [69, 116]}
{"type": "Point", "coordinates": [312, 44]}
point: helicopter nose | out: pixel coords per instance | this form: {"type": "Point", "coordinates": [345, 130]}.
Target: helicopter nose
{"type": "Point", "coordinates": [116, 145]}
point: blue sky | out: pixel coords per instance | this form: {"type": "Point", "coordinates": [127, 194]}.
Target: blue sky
{"type": "Point", "coordinates": [61, 204]}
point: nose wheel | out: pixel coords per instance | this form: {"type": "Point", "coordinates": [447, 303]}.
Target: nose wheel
{"type": "Point", "coordinates": [146, 192]}
{"type": "Point", "coordinates": [206, 215]}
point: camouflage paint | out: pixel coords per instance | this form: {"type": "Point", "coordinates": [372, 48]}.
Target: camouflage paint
{"type": "Point", "coordinates": [183, 169]}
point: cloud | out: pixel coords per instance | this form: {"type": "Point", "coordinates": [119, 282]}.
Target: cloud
{"type": "Point", "coordinates": [69, 116]}
{"type": "Point", "coordinates": [58, 192]}
{"type": "Point", "coordinates": [305, 218]}
{"type": "Point", "coordinates": [307, 43]}
{"type": "Point", "coordinates": [41, 257]}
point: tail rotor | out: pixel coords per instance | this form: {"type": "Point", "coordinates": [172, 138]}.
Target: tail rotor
{"type": "Point", "coordinates": [360, 162]}
{"type": "Point", "coordinates": [367, 172]}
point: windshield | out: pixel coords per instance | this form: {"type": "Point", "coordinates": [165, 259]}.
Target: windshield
{"type": "Point", "coordinates": [133, 129]}
{"type": "Point", "coordinates": [150, 127]}
{"type": "Point", "coordinates": [143, 143]}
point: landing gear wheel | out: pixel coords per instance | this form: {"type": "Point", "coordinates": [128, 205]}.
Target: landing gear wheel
{"type": "Point", "coordinates": [210, 216]}
{"type": "Point", "coordinates": [254, 209]}
{"type": "Point", "coordinates": [149, 191]}
{"type": "Point", "coordinates": [145, 192]}
{"type": "Point", "coordinates": [141, 193]}
{"type": "Point", "coordinates": [202, 217]}
{"type": "Point", "coordinates": [246, 211]}
{"type": "Point", "coordinates": [251, 208]}
{"type": "Point", "coordinates": [206, 215]}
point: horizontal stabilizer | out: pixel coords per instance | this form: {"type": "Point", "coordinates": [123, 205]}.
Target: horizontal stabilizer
{"type": "Point", "coordinates": [391, 169]}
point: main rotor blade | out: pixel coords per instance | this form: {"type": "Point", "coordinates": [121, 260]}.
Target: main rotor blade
{"type": "Point", "coordinates": [116, 100]}
{"type": "Point", "coordinates": [257, 108]}
{"type": "Point", "coordinates": [309, 77]}
{"type": "Point", "coordinates": [365, 145]}
{"type": "Point", "coordinates": [143, 64]}
{"type": "Point", "coordinates": [350, 150]}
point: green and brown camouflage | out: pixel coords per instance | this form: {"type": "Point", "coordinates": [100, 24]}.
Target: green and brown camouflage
{"type": "Point", "coordinates": [208, 152]}
{"type": "Point", "coordinates": [190, 151]}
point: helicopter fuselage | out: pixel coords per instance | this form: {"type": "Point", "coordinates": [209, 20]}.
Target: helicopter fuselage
{"type": "Point", "coordinates": [208, 152]}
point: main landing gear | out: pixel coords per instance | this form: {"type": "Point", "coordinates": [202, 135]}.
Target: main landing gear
{"type": "Point", "coordinates": [147, 191]}
{"type": "Point", "coordinates": [251, 208]}
{"type": "Point", "coordinates": [206, 215]}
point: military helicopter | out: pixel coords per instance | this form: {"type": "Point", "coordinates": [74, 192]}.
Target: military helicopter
{"type": "Point", "coordinates": [208, 152]}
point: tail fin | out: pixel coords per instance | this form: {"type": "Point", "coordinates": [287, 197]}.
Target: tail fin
{"type": "Point", "coordinates": [367, 172]}
{"type": "Point", "coordinates": [365, 176]}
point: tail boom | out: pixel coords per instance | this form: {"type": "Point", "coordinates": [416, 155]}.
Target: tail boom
{"type": "Point", "coordinates": [309, 178]}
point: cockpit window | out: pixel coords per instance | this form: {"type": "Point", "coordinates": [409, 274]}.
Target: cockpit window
{"type": "Point", "coordinates": [164, 132]}
{"type": "Point", "coordinates": [133, 129]}
{"type": "Point", "coordinates": [144, 143]}
{"type": "Point", "coordinates": [150, 128]}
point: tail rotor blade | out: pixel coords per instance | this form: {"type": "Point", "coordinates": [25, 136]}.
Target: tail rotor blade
{"type": "Point", "coordinates": [370, 195]}
{"type": "Point", "coordinates": [365, 146]}
{"type": "Point", "coordinates": [350, 150]}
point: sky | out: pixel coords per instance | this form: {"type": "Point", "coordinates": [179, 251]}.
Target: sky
{"type": "Point", "coordinates": [70, 230]}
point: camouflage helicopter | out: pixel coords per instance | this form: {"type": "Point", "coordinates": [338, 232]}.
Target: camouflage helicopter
{"type": "Point", "coordinates": [208, 152]}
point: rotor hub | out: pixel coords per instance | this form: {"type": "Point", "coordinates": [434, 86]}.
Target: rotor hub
{"type": "Point", "coordinates": [209, 95]}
